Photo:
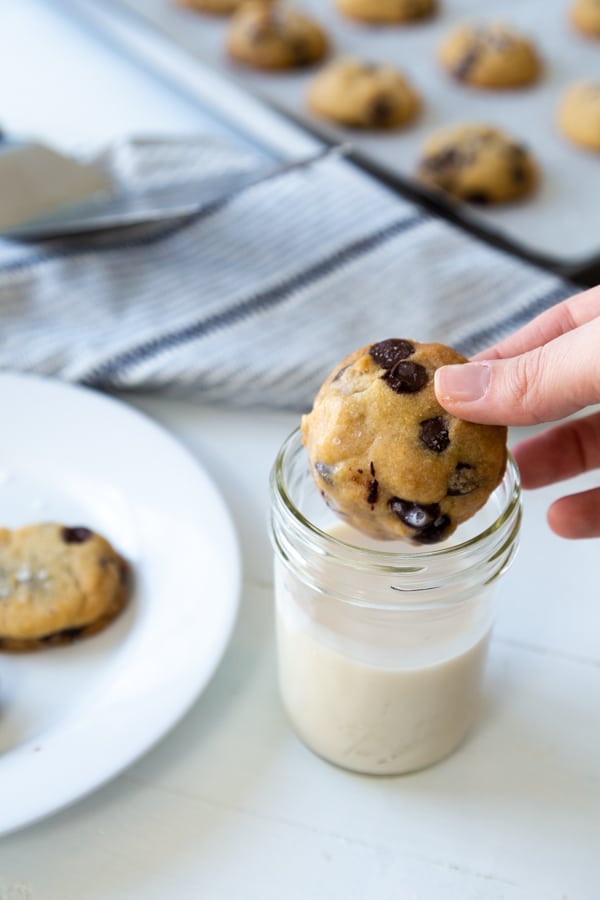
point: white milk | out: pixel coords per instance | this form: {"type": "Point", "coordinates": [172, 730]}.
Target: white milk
{"type": "Point", "coordinates": [378, 691]}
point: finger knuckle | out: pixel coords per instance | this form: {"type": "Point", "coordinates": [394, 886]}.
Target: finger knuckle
{"type": "Point", "coordinates": [526, 384]}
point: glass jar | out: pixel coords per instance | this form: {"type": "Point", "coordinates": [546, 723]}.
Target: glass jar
{"type": "Point", "coordinates": [381, 646]}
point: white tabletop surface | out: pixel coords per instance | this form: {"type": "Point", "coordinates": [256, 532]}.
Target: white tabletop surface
{"type": "Point", "coordinates": [231, 806]}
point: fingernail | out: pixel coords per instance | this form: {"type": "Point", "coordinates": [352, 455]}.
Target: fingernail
{"type": "Point", "coordinates": [466, 382]}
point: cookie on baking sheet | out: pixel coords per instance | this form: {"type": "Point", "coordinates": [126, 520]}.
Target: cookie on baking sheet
{"type": "Point", "coordinates": [387, 11]}
{"type": "Point", "coordinates": [579, 114]}
{"type": "Point", "coordinates": [58, 583]}
{"type": "Point", "coordinates": [490, 55]}
{"type": "Point", "coordinates": [477, 163]}
{"type": "Point", "coordinates": [363, 95]}
{"type": "Point", "coordinates": [274, 36]}
{"type": "Point", "coordinates": [387, 457]}
{"type": "Point", "coordinates": [585, 15]}
{"type": "Point", "coordinates": [214, 7]}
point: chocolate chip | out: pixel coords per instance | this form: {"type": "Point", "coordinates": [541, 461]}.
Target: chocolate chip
{"type": "Point", "coordinates": [406, 377]}
{"type": "Point", "coordinates": [415, 515]}
{"type": "Point", "coordinates": [301, 50]}
{"type": "Point", "coordinates": [435, 532]}
{"type": "Point", "coordinates": [372, 468]}
{"type": "Point", "coordinates": [434, 434]}
{"type": "Point", "coordinates": [517, 160]}
{"type": "Point", "coordinates": [325, 472]}
{"type": "Point", "coordinates": [61, 637]}
{"type": "Point", "coordinates": [463, 480]}
{"type": "Point", "coordinates": [380, 110]}
{"type": "Point", "coordinates": [373, 494]}
{"type": "Point", "coordinates": [71, 633]}
{"type": "Point", "coordinates": [76, 535]}
{"type": "Point", "coordinates": [466, 64]}
{"type": "Point", "coordinates": [519, 174]}
{"type": "Point", "coordinates": [387, 353]}
{"type": "Point", "coordinates": [448, 158]}
{"type": "Point", "coordinates": [419, 8]}
{"type": "Point", "coordinates": [481, 198]}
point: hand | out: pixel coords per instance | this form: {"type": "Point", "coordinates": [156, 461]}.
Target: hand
{"type": "Point", "coordinates": [547, 370]}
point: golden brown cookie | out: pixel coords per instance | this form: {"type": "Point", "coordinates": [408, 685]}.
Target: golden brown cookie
{"type": "Point", "coordinates": [363, 95]}
{"type": "Point", "coordinates": [214, 7]}
{"type": "Point", "coordinates": [478, 164]}
{"type": "Point", "coordinates": [490, 56]}
{"type": "Point", "coordinates": [387, 11]}
{"type": "Point", "coordinates": [585, 15]}
{"type": "Point", "coordinates": [579, 114]}
{"type": "Point", "coordinates": [57, 583]}
{"type": "Point", "coordinates": [387, 457]}
{"type": "Point", "coordinates": [274, 36]}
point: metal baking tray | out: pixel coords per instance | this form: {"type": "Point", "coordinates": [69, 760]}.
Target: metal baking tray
{"type": "Point", "coordinates": [558, 227]}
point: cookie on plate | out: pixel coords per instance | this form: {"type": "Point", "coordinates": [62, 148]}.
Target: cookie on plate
{"type": "Point", "coordinates": [269, 35]}
{"type": "Point", "coordinates": [363, 95]}
{"type": "Point", "coordinates": [490, 56]}
{"type": "Point", "coordinates": [387, 11]}
{"type": "Point", "coordinates": [214, 7]}
{"type": "Point", "coordinates": [585, 15]}
{"type": "Point", "coordinates": [478, 164]}
{"type": "Point", "coordinates": [387, 457]}
{"type": "Point", "coordinates": [579, 114]}
{"type": "Point", "coordinates": [58, 583]}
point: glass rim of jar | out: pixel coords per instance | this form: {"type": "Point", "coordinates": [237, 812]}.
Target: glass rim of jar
{"type": "Point", "coordinates": [395, 560]}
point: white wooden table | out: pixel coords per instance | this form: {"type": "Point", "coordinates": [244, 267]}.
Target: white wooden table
{"type": "Point", "coordinates": [231, 805]}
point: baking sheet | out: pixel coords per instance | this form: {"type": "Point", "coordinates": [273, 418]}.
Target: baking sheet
{"type": "Point", "coordinates": [561, 222]}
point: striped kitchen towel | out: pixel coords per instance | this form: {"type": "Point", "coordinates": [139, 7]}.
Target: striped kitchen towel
{"type": "Point", "coordinates": [253, 300]}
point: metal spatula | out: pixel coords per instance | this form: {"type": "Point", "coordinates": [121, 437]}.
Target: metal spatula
{"type": "Point", "coordinates": [38, 182]}
{"type": "Point", "coordinates": [119, 209]}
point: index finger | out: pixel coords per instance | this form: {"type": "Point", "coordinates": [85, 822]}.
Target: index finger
{"type": "Point", "coordinates": [558, 320]}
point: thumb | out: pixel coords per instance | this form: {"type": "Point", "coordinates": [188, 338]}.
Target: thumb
{"type": "Point", "coordinates": [544, 384]}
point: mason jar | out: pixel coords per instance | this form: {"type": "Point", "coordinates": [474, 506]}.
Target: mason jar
{"type": "Point", "coordinates": [381, 645]}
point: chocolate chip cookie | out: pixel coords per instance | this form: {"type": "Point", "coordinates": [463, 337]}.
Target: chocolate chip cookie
{"type": "Point", "coordinates": [363, 95]}
{"type": "Point", "coordinates": [585, 15]}
{"type": "Point", "coordinates": [214, 7]}
{"type": "Point", "coordinates": [478, 164]}
{"type": "Point", "coordinates": [274, 36]}
{"type": "Point", "coordinates": [387, 11]}
{"type": "Point", "coordinates": [387, 457]}
{"type": "Point", "coordinates": [490, 56]}
{"type": "Point", "coordinates": [579, 114]}
{"type": "Point", "coordinates": [57, 583]}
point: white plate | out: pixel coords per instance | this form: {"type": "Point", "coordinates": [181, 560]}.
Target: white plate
{"type": "Point", "coordinates": [72, 717]}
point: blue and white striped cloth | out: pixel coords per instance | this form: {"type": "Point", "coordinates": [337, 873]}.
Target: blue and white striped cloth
{"type": "Point", "coordinates": [254, 300]}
